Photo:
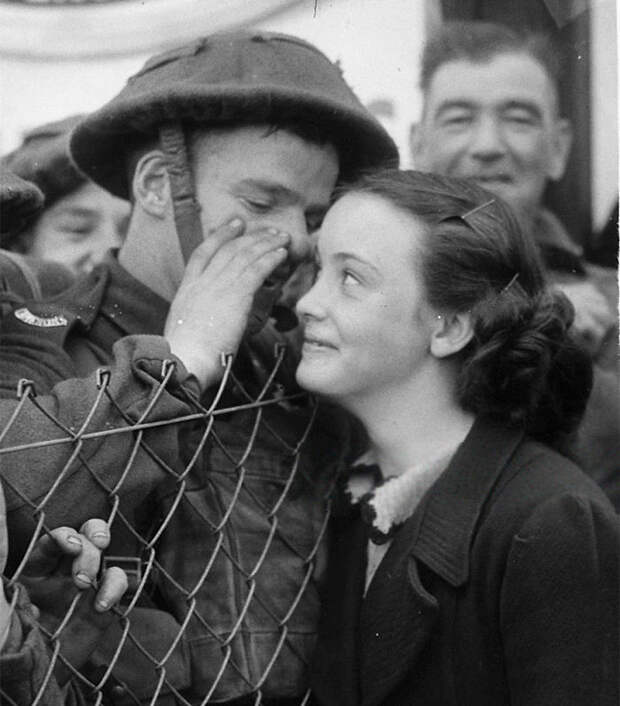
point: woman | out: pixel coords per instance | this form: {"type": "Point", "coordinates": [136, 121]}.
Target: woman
{"type": "Point", "coordinates": [471, 563]}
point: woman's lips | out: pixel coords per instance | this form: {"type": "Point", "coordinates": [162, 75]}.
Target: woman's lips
{"type": "Point", "coordinates": [313, 343]}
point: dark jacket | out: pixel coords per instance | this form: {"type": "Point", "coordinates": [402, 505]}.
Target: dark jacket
{"type": "Point", "coordinates": [25, 659]}
{"type": "Point", "coordinates": [241, 539]}
{"type": "Point", "coordinates": [502, 588]}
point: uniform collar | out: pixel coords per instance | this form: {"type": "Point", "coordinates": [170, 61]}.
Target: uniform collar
{"type": "Point", "coordinates": [442, 529]}
{"type": "Point", "coordinates": [129, 304]}
{"type": "Point", "coordinates": [110, 290]}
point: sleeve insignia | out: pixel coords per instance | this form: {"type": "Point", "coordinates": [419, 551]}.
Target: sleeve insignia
{"type": "Point", "coordinates": [25, 315]}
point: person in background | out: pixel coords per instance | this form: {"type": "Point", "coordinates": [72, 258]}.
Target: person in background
{"type": "Point", "coordinates": [491, 113]}
{"type": "Point", "coordinates": [470, 562]}
{"type": "Point", "coordinates": [80, 221]}
{"type": "Point", "coordinates": [63, 562]}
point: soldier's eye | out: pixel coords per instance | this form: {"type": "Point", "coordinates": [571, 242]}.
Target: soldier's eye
{"type": "Point", "coordinates": [258, 206]}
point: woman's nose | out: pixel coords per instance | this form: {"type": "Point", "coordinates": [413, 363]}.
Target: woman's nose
{"type": "Point", "coordinates": [310, 305]}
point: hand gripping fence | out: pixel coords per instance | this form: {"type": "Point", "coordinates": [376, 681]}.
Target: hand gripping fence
{"type": "Point", "coordinates": [218, 512]}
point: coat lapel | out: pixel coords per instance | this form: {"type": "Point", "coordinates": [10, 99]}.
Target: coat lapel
{"type": "Point", "coordinates": [398, 614]}
{"type": "Point", "coordinates": [334, 674]}
{"type": "Point", "coordinates": [365, 650]}
{"type": "Point", "coordinates": [397, 619]}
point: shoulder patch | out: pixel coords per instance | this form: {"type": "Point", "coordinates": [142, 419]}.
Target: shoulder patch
{"type": "Point", "coordinates": [24, 314]}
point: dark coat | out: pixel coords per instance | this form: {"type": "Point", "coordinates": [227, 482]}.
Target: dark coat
{"type": "Point", "coordinates": [502, 588]}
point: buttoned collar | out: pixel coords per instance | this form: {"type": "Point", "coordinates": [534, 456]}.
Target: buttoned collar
{"type": "Point", "coordinates": [386, 503]}
{"type": "Point", "coordinates": [130, 305]}
{"type": "Point", "coordinates": [442, 529]}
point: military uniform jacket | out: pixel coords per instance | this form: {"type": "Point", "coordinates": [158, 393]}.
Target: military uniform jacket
{"type": "Point", "coordinates": [502, 588]}
{"type": "Point", "coordinates": [229, 543]}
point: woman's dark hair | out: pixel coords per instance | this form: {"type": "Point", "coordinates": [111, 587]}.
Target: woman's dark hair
{"type": "Point", "coordinates": [521, 365]}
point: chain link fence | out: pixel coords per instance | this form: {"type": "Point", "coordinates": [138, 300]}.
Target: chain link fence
{"type": "Point", "coordinates": [218, 513]}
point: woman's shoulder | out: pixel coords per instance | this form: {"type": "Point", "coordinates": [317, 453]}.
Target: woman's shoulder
{"type": "Point", "coordinates": [540, 481]}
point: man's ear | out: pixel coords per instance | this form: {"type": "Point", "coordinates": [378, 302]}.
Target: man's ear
{"type": "Point", "coordinates": [562, 142]}
{"type": "Point", "coordinates": [452, 332]}
{"type": "Point", "coordinates": [150, 184]}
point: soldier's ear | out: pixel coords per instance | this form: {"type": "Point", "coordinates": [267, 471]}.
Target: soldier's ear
{"type": "Point", "coordinates": [560, 148]}
{"type": "Point", "coordinates": [150, 184]}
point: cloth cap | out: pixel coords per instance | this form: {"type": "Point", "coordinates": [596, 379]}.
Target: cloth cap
{"type": "Point", "coordinates": [43, 158]}
{"type": "Point", "coordinates": [19, 201]}
{"type": "Point", "coordinates": [231, 78]}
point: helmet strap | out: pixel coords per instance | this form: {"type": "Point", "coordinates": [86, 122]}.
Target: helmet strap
{"type": "Point", "coordinates": [186, 208]}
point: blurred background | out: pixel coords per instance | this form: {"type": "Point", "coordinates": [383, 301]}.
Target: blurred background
{"type": "Point", "coordinates": [59, 57]}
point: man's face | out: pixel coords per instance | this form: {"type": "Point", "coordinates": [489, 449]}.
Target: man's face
{"type": "Point", "coordinates": [495, 122]}
{"type": "Point", "coordinates": [271, 179]}
{"type": "Point", "coordinates": [79, 228]}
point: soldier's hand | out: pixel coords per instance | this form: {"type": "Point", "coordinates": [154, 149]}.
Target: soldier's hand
{"type": "Point", "coordinates": [64, 564]}
{"type": "Point", "coordinates": [210, 311]}
{"type": "Point", "coordinates": [65, 561]}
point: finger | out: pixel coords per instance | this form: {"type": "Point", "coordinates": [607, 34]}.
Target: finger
{"type": "Point", "coordinates": [232, 259]}
{"type": "Point", "coordinates": [112, 587]}
{"type": "Point", "coordinates": [259, 269]}
{"type": "Point", "coordinates": [49, 550]}
{"type": "Point", "coordinates": [215, 239]}
{"type": "Point", "coordinates": [85, 566]}
{"type": "Point", "coordinates": [97, 531]}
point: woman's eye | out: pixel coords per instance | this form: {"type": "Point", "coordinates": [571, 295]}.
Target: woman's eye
{"type": "Point", "coordinates": [349, 278]}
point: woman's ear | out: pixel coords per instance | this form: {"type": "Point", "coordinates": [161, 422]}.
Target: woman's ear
{"type": "Point", "coordinates": [452, 332]}
{"type": "Point", "coordinates": [151, 187]}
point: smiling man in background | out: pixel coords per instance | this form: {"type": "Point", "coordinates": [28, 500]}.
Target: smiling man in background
{"type": "Point", "coordinates": [492, 113]}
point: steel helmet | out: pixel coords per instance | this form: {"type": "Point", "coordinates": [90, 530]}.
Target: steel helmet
{"type": "Point", "coordinates": [19, 201]}
{"type": "Point", "coordinates": [242, 76]}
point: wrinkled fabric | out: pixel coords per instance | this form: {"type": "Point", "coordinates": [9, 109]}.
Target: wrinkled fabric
{"type": "Point", "coordinates": [502, 588]}
{"type": "Point", "coordinates": [25, 660]}
{"type": "Point", "coordinates": [111, 321]}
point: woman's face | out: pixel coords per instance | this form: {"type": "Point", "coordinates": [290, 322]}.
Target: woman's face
{"type": "Point", "coordinates": [367, 324]}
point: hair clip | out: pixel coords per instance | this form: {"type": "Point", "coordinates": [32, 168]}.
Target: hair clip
{"type": "Point", "coordinates": [490, 202]}
{"type": "Point", "coordinates": [463, 217]}
{"type": "Point", "coordinates": [509, 285]}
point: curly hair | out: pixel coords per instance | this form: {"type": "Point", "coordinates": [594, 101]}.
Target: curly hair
{"type": "Point", "coordinates": [521, 364]}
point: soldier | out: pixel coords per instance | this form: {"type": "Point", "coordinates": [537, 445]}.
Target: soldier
{"type": "Point", "coordinates": [229, 149]}
{"type": "Point", "coordinates": [80, 221]}
{"type": "Point", "coordinates": [24, 656]}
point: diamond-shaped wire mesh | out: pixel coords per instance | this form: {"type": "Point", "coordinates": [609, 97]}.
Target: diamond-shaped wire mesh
{"type": "Point", "coordinates": [218, 514]}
